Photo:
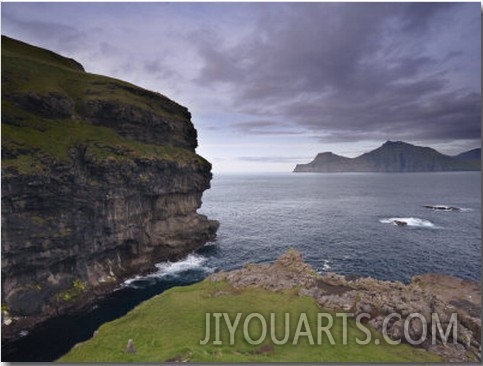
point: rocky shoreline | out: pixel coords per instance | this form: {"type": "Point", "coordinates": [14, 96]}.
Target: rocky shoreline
{"type": "Point", "coordinates": [14, 327]}
{"type": "Point", "coordinates": [425, 294]}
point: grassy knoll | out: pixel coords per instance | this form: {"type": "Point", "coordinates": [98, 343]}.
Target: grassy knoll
{"type": "Point", "coordinates": [170, 327]}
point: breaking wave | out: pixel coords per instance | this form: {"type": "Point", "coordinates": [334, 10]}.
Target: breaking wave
{"type": "Point", "coordinates": [408, 221]}
{"type": "Point", "coordinates": [325, 266]}
{"type": "Point", "coordinates": [192, 265]}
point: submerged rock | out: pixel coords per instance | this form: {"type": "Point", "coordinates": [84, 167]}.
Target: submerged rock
{"type": "Point", "coordinates": [443, 208]}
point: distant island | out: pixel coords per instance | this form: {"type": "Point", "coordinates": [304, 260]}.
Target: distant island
{"type": "Point", "coordinates": [394, 157]}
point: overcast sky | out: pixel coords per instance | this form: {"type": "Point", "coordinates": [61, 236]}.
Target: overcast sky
{"type": "Point", "coordinates": [270, 85]}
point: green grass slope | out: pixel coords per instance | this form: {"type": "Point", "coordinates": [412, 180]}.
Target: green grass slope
{"type": "Point", "coordinates": [32, 142]}
{"type": "Point", "coordinates": [18, 49]}
{"type": "Point", "coordinates": [170, 326]}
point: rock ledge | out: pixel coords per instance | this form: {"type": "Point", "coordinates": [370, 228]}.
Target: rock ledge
{"type": "Point", "coordinates": [426, 294]}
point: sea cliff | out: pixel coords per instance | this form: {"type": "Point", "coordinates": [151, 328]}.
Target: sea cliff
{"type": "Point", "coordinates": [100, 180]}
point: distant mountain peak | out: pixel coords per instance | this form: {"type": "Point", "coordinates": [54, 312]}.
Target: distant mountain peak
{"type": "Point", "coordinates": [390, 143]}
{"type": "Point", "coordinates": [396, 157]}
{"type": "Point", "coordinates": [326, 154]}
{"type": "Point", "coordinates": [474, 154]}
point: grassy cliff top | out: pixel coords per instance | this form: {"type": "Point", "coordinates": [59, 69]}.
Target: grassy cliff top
{"type": "Point", "coordinates": [50, 106]}
{"type": "Point", "coordinates": [284, 295]}
{"type": "Point", "coordinates": [287, 312]}
{"type": "Point", "coordinates": [37, 70]}
{"type": "Point", "coordinates": [21, 50]}
{"type": "Point", "coordinates": [170, 326]}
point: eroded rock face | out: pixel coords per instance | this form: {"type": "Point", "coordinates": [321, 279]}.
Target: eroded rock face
{"type": "Point", "coordinates": [50, 105]}
{"type": "Point", "coordinates": [130, 120]}
{"type": "Point", "coordinates": [100, 181]}
{"type": "Point", "coordinates": [95, 225]}
{"type": "Point", "coordinates": [425, 295]}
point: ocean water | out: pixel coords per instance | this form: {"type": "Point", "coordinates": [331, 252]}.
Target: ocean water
{"type": "Point", "coordinates": [344, 223]}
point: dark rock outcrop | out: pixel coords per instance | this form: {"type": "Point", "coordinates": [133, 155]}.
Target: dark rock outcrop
{"type": "Point", "coordinates": [443, 208]}
{"type": "Point", "coordinates": [425, 295]}
{"type": "Point", "coordinates": [100, 180]}
{"type": "Point", "coordinates": [391, 157]}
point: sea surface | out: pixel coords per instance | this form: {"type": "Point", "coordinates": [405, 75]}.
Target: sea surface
{"type": "Point", "coordinates": [340, 222]}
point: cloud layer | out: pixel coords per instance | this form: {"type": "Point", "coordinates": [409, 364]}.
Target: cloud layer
{"type": "Point", "coordinates": [346, 72]}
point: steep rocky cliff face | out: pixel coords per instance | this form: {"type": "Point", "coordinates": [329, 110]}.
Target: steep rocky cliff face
{"type": "Point", "coordinates": [100, 180]}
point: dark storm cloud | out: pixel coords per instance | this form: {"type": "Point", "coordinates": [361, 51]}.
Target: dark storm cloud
{"type": "Point", "coordinates": [415, 110]}
{"type": "Point", "coordinates": [157, 70]}
{"type": "Point", "coordinates": [418, 16]}
{"type": "Point", "coordinates": [68, 37]}
{"type": "Point", "coordinates": [351, 72]}
{"type": "Point", "coordinates": [153, 66]}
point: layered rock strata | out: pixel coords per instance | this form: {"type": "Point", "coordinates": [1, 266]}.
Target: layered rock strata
{"type": "Point", "coordinates": [100, 180]}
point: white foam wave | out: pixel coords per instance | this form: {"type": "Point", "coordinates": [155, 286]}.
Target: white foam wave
{"type": "Point", "coordinates": [325, 266]}
{"type": "Point", "coordinates": [23, 333]}
{"type": "Point", "coordinates": [170, 269]}
{"type": "Point", "coordinates": [408, 221]}
{"type": "Point", "coordinates": [192, 261]}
